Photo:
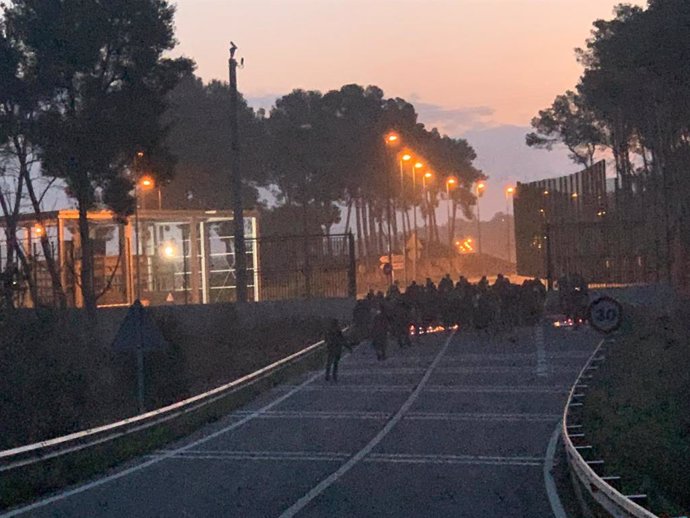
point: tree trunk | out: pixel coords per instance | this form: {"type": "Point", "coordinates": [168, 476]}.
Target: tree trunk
{"type": "Point", "coordinates": [394, 226]}
{"type": "Point", "coordinates": [86, 274]}
{"type": "Point", "coordinates": [358, 221]}
{"type": "Point", "coordinates": [373, 234]}
{"type": "Point", "coordinates": [451, 223]}
{"type": "Point", "coordinates": [347, 217]}
{"type": "Point", "coordinates": [381, 236]}
{"type": "Point", "coordinates": [59, 296]}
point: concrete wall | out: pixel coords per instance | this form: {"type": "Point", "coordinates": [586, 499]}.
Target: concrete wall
{"type": "Point", "coordinates": [212, 319]}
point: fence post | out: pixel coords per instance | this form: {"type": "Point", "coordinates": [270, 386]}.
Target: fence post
{"type": "Point", "coordinates": [352, 267]}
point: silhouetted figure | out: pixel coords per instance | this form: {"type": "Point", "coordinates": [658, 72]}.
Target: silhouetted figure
{"type": "Point", "coordinates": [379, 335]}
{"type": "Point", "coordinates": [335, 341]}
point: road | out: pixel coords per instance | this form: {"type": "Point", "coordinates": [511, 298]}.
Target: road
{"type": "Point", "coordinates": [457, 426]}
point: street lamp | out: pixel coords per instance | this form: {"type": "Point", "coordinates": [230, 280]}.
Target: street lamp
{"type": "Point", "coordinates": [481, 187]}
{"type": "Point", "coordinates": [144, 183]}
{"type": "Point", "coordinates": [510, 191]}
{"type": "Point", "coordinates": [450, 182]}
{"type": "Point", "coordinates": [392, 139]}
{"type": "Point", "coordinates": [417, 165]}
{"type": "Point", "coordinates": [406, 157]}
{"type": "Point", "coordinates": [427, 219]}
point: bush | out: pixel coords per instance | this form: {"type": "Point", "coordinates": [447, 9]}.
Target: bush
{"type": "Point", "coordinates": [637, 413]}
{"type": "Point", "coordinates": [55, 377]}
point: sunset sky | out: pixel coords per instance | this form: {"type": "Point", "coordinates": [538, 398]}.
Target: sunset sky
{"type": "Point", "coordinates": [479, 69]}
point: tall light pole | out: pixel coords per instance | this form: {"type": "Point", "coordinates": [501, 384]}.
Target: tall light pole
{"type": "Point", "coordinates": [481, 186]}
{"type": "Point", "coordinates": [449, 182]}
{"type": "Point", "coordinates": [427, 219]}
{"type": "Point", "coordinates": [392, 140]}
{"type": "Point", "coordinates": [404, 158]}
{"type": "Point", "coordinates": [417, 165]}
{"type": "Point", "coordinates": [236, 184]}
{"type": "Point", "coordinates": [510, 191]}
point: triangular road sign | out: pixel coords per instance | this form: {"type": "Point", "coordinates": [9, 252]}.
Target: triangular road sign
{"type": "Point", "coordinates": [138, 330]}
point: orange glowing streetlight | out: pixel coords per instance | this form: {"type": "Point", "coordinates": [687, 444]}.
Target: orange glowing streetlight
{"type": "Point", "coordinates": [392, 138]}
{"type": "Point", "coordinates": [406, 157]}
{"type": "Point", "coordinates": [451, 181]}
{"type": "Point", "coordinates": [510, 191]}
{"type": "Point", "coordinates": [481, 187]}
{"type": "Point", "coordinates": [146, 183]}
{"type": "Point", "coordinates": [39, 230]}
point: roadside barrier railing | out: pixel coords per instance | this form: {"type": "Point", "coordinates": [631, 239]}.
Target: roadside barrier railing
{"type": "Point", "coordinates": [609, 498]}
{"type": "Point", "coordinates": [25, 456]}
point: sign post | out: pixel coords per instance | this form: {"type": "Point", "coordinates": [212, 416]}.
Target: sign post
{"type": "Point", "coordinates": [605, 315]}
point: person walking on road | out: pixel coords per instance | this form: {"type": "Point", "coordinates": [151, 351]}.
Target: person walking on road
{"type": "Point", "coordinates": [335, 341]}
{"type": "Point", "coordinates": [379, 334]}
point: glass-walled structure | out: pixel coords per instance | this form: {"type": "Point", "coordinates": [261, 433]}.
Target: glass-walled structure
{"type": "Point", "coordinates": [167, 257]}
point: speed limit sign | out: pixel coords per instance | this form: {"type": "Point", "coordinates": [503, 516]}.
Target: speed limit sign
{"type": "Point", "coordinates": [605, 314]}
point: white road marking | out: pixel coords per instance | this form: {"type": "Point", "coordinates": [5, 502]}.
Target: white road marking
{"type": "Point", "coordinates": [476, 369]}
{"type": "Point", "coordinates": [549, 482]}
{"type": "Point", "coordinates": [155, 460]}
{"type": "Point", "coordinates": [442, 389]}
{"type": "Point", "coordinates": [440, 416]}
{"type": "Point", "coordinates": [542, 368]}
{"type": "Point", "coordinates": [333, 477]}
{"type": "Point", "coordinates": [321, 414]}
{"type": "Point", "coordinates": [454, 459]}
{"type": "Point", "coordinates": [407, 458]}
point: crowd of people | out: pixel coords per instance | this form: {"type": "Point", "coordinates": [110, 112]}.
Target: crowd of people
{"type": "Point", "coordinates": [423, 308]}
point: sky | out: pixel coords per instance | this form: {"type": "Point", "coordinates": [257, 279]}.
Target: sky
{"type": "Point", "coordinates": [476, 69]}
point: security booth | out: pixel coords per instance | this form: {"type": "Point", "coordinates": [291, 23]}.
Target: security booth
{"type": "Point", "coordinates": [161, 257]}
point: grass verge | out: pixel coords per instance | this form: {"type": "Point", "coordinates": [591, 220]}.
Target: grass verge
{"type": "Point", "coordinates": [637, 411]}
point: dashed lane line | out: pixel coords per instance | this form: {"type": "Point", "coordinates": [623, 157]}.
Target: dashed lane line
{"type": "Point", "coordinates": [361, 454]}
{"type": "Point", "coordinates": [120, 474]}
{"type": "Point", "coordinates": [396, 458]}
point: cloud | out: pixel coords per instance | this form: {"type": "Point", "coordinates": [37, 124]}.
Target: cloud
{"type": "Point", "coordinates": [454, 121]}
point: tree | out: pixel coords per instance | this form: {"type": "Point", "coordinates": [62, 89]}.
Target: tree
{"type": "Point", "coordinates": [568, 121]}
{"type": "Point", "coordinates": [20, 104]}
{"type": "Point", "coordinates": [102, 73]}
{"type": "Point", "coordinates": [199, 115]}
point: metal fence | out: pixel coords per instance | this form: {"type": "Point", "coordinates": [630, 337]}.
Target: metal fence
{"type": "Point", "coordinates": [306, 266]}
{"type": "Point", "coordinates": [279, 267]}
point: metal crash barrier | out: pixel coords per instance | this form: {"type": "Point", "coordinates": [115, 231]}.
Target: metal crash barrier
{"type": "Point", "coordinates": [609, 498]}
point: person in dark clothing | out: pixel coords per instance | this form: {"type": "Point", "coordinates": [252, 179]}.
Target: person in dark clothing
{"type": "Point", "coordinates": [400, 322]}
{"type": "Point", "coordinates": [361, 317]}
{"type": "Point", "coordinates": [335, 341]}
{"type": "Point", "coordinates": [379, 335]}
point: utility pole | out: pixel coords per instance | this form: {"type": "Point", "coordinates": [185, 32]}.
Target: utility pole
{"type": "Point", "coordinates": [236, 184]}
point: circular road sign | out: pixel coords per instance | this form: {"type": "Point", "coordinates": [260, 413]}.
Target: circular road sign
{"type": "Point", "coordinates": [387, 269]}
{"type": "Point", "coordinates": [605, 314]}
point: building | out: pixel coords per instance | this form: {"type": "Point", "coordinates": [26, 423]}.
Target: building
{"type": "Point", "coordinates": [175, 256]}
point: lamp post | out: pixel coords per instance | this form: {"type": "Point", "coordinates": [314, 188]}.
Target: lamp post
{"type": "Point", "coordinates": [510, 191]}
{"type": "Point", "coordinates": [449, 182]}
{"type": "Point", "coordinates": [392, 140]}
{"type": "Point", "coordinates": [427, 220]}
{"type": "Point", "coordinates": [417, 165]}
{"type": "Point", "coordinates": [404, 158]}
{"type": "Point", "coordinates": [481, 186]}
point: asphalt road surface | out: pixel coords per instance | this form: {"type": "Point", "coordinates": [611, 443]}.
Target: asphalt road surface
{"type": "Point", "coordinates": [458, 426]}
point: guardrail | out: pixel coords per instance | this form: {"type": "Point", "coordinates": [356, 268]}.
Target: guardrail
{"type": "Point", "coordinates": [25, 456]}
{"type": "Point", "coordinates": [609, 498]}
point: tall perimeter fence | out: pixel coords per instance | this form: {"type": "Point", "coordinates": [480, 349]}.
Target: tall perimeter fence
{"type": "Point", "coordinates": [612, 234]}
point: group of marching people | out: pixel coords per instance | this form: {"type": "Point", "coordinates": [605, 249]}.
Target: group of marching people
{"type": "Point", "coordinates": [420, 308]}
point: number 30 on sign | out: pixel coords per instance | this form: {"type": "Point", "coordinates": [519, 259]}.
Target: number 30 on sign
{"type": "Point", "coordinates": [605, 315]}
